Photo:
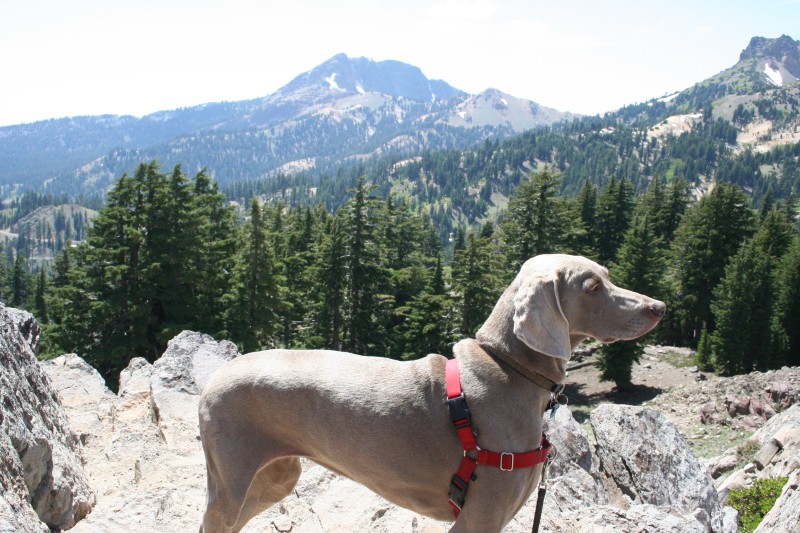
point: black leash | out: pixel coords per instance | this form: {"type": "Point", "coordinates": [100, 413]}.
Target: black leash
{"type": "Point", "coordinates": [537, 517]}
{"type": "Point", "coordinates": [557, 399]}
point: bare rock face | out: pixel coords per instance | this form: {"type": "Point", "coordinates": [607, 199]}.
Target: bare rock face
{"type": "Point", "coordinates": [42, 481]}
{"type": "Point", "coordinates": [142, 451]}
{"type": "Point", "coordinates": [650, 462]}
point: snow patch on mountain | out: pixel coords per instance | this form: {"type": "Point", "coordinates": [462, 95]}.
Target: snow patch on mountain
{"type": "Point", "coordinates": [668, 97]}
{"type": "Point", "coordinates": [773, 74]}
{"type": "Point", "coordinates": [333, 86]}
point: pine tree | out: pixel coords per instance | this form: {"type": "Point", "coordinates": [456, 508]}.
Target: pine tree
{"type": "Point", "coordinates": [428, 321]}
{"type": "Point", "coordinates": [775, 234]}
{"type": "Point", "coordinates": [365, 280]}
{"type": "Point", "coordinates": [253, 303]}
{"type": "Point", "coordinates": [665, 206]}
{"type": "Point", "coordinates": [329, 270]}
{"type": "Point", "coordinates": [672, 211]}
{"type": "Point", "coordinates": [709, 234]}
{"type": "Point", "coordinates": [144, 271]}
{"type": "Point", "coordinates": [614, 211]}
{"type": "Point", "coordinates": [475, 280]}
{"type": "Point", "coordinates": [212, 259]}
{"type": "Point", "coordinates": [4, 273]}
{"type": "Point", "coordinates": [587, 206]}
{"type": "Point", "coordinates": [296, 261]}
{"type": "Point", "coordinates": [787, 300]}
{"type": "Point", "coordinates": [19, 283]}
{"type": "Point", "coordinates": [741, 341]}
{"type": "Point", "coordinates": [704, 357]}
{"type": "Point", "coordinates": [533, 223]}
{"type": "Point", "coordinates": [39, 302]}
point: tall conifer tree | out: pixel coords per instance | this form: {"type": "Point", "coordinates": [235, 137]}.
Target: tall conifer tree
{"type": "Point", "coordinates": [254, 304]}
{"type": "Point", "coordinates": [709, 234]}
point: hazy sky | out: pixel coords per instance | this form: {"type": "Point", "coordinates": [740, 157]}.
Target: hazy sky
{"type": "Point", "coordinates": [87, 57]}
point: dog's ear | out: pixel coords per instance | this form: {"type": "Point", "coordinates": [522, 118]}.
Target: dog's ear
{"type": "Point", "coordinates": [539, 321]}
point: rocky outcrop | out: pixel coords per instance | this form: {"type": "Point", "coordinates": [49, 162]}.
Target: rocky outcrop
{"type": "Point", "coordinates": [637, 472]}
{"type": "Point", "coordinates": [42, 481]}
{"type": "Point", "coordinates": [143, 455]}
{"type": "Point", "coordinates": [632, 471]}
{"type": "Point", "coordinates": [645, 457]}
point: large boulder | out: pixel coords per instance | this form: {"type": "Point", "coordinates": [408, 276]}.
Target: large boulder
{"type": "Point", "coordinates": [645, 456]}
{"type": "Point", "coordinates": [42, 481]}
{"type": "Point", "coordinates": [635, 473]}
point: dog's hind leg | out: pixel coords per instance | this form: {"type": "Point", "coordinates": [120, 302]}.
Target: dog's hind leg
{"type": "Point", "coordinates": [272, 484]}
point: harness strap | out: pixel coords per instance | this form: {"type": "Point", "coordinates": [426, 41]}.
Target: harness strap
{"type": "Point", "coordinates": [473, 454]}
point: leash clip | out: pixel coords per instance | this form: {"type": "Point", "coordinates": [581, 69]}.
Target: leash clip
{"type": "Point", "coordinates": [557, 399]}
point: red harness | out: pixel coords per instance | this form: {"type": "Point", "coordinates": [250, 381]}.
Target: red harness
{"type": "Point", "coordinates": [473, 454]}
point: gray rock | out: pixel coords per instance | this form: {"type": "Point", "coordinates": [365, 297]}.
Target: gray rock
{"type": "Point", "coordinates": [180, 375]}
{"type": "Point", "coordinates": [571, 483]}
{"type": "Point", "coordinates": [767, 452]}
{"type": "Point", "coordinates": [722, 464]}
{"type": "Point", "coordinates": [143, 453]}
{"type": "Point", "coordinates": [642, 452]}
{"type": "Point", "coordinates": [709, 413]}
{"type": "Point", "coordinates": [633, 472]}
{"type": "Point", "coordinates": [570, 441]}
{"type": "Point", "coordinates": [638, 518]}
{"type": "Point", "coordinates": [779, 456]}
{"type": "Point", "coordinates": [730, 520]}
{"type": "Point", "coordinates": [82, 392]}
{"type": "Point", "coordinates": [41, 472]}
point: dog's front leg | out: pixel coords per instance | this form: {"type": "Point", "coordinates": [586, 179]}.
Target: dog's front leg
{"type": "Point", "coordinates": [478, 522]}
{"type": "Point", "coordinates": [494, 498]}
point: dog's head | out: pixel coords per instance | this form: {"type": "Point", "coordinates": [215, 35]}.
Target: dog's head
{"type": "Point", "coordinates": [560, 297]}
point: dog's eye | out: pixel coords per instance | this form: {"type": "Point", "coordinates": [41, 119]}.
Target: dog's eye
{"type": "Point", "coordinates": [591, 285]}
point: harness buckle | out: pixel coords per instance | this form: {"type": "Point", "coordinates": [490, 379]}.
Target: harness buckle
{"type": "Point", "coordinates": [503, 462]}
{"type": "Point", "coordinates": [458, 491]}
{"type": "Point", "coordinates": [459, 412]}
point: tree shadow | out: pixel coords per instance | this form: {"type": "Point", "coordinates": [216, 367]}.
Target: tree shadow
{"type": "Point", "coordinates": [633, 395]}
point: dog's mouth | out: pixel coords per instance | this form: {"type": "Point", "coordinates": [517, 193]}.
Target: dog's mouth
{"type": "Point", "coordinates": [635, 328]}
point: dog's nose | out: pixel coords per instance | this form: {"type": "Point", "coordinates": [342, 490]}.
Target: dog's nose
{"type": "Point", "coordinates": [658, 309]}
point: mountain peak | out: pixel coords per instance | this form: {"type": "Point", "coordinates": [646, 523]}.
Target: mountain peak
{"type": "Point", "coordinates": [345, 75]}
{"type": "Point", "coordinates": [778, 56]}
{"type": "Point", "coordinates": [778, 48]}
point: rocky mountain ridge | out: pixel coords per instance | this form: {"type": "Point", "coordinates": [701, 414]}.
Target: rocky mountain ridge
{"type": "Point", "coordinates": [140, 466]}
{"type": "Point", "coordinates": [343, 108]}
{"type": "Point", "coordinates": [781, 55]}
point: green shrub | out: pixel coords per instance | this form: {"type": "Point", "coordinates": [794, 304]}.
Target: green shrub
{"type": "Point", "coordinates": [755, 502]}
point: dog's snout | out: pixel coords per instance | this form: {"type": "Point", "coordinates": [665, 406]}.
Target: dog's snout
{"type": "Point", "coordinates": [658, 309]}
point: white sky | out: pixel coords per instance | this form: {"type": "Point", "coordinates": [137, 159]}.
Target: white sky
{"type": "Point", "coordinates": [87, 57]}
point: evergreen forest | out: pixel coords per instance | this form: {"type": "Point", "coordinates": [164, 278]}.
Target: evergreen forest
{"type": "Point", "coordinates": [374, 271]}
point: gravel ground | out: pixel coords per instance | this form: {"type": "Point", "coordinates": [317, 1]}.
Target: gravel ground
{"type": "Point", "coordinates": [667, 380]}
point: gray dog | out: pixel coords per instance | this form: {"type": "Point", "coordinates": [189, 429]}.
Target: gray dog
{"type": "Point", "coordinates": [386, 424]}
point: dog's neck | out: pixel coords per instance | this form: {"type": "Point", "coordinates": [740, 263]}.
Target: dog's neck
{"type": "Point", "coordinates": [496, 336]}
